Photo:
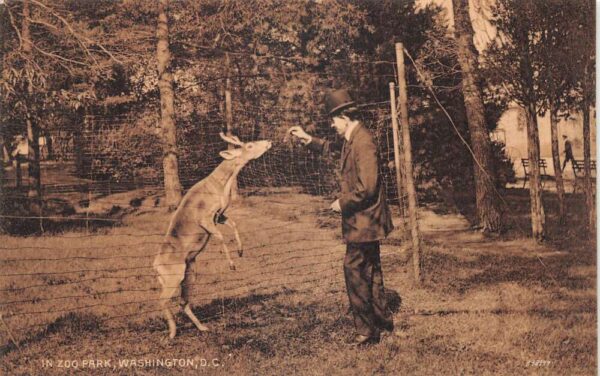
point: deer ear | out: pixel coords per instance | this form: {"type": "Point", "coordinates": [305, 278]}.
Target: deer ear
{"type": "Point", "coordinates": [230, 154]}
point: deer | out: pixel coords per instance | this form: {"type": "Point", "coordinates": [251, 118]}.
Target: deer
{"type": "Point", "coordinates": [195, 221]}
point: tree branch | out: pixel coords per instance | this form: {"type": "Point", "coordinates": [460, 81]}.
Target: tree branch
{"type": "Point", "coordinates": [14, 25]}
{"type": "Point", "coordinates": [81, 39]}
{"type": "Point", "coordinates": [68, 25]}
{"type": "Point", "coordinates": [53, 55]}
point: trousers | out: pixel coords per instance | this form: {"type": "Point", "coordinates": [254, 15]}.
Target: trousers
{"type": "Point", "coordinates": [364, 284]}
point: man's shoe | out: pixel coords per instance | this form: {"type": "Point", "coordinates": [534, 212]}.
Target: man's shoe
{"type": "Point", "coordinates": [387, 326]}
{"type": "Point", "coordinates": [360, 340]}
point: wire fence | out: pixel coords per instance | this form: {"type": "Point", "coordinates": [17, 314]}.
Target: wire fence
{"type": "Point", "coordinates": [100, 224]}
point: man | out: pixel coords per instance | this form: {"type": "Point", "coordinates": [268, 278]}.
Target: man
{"type": "Point", "coordinates": [20, 155]}
{"type": "Point", "coordinates": [21, 151]}
{"type": "Point", "coordinates": [568, 153]}
{"type": "Point", "coordinates": [366, 217]}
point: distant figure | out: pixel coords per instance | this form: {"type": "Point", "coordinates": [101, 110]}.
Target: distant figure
{"type": "Point", "coordinates": [21, 150]}
{"type": "Point", "coordinates": [568, 153]}
{"type": "Point", "coordinates": [43, 145]}
{"type": "Point", "coordinates": [20, 155]}
{"type": "Point", "coordinates": [5, 155]}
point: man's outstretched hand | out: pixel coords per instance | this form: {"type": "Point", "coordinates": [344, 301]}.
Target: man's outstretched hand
{"type": "Point", "coordinates": [298, 132]}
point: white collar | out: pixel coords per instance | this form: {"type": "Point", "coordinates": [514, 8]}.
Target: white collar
{"type": "Point", "coordinates": [349, 130]}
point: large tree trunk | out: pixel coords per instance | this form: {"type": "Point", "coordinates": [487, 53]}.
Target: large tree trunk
{"type": "Point", "coordinates": [78, 142]}
{"type": "Point", "coordinates": [488, 211]}
{"type": "Point", "coordinates": [538, 217]}
{"type": "Point", "coordinates": [560, 185]}
{"type": "Point", "coordinates": [589, 91]}
{"type": "Point", "coordinates": [589, 194]}
{"type": "Point", "coordinates": [33, 157]}
{"type": "Point", "coordinates": [169, 132]}
{"type": "Point", "coordinates": [229, 119]}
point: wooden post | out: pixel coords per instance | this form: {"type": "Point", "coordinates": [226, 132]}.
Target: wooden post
{"type": "Point", "coordinates": [396, 135]}
{"type": "Point", "coordinates": [229, 119]}
{"type": "Point", "coordinates": [19, 178]}
{"type": "Point", "coordinates": [408, 170]}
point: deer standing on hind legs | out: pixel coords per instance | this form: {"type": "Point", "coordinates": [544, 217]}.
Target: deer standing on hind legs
{"type": "Point", "coordinates": [195, 221]}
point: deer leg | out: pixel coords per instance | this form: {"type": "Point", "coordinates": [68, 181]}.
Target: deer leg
{"type": "Point", "coordinates": [186, 283]}
{"type": "Point", "coordinates": [231, 224]}
{"type": "Point", "coordinates": [169, 277]}
{"type": "Point", "coordinates": [185, 296]}
{"type": "Point", "coordinates": [164, 299]}
{"type": "Point", "coordinates": [212, 229]}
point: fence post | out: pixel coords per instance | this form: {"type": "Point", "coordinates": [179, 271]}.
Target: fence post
{"type": "Point", "coordinates": [397, 151]}
{"type": "Point", "coordinates": [408, 168]}
{"type": "Point", "coordinates": [19, 177]}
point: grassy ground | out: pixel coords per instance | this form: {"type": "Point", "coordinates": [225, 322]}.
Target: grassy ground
{"type": "Point", "coordinates": [487, 306]}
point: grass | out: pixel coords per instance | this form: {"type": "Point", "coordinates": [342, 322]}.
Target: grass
{"type": "Point", "coordinates": [486, 306]}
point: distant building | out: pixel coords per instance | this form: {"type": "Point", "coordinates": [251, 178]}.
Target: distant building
{"type": "Point", "coordinates": [513, 132]}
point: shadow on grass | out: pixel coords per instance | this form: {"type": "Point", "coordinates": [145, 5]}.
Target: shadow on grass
{"type": "Point", "coordinates": [453, 274]}
{"type": "Point", "coordinates": [57, 215]}
{"type": "Point", "coordinates": [271, 324]}
{"type": "Point", "coordinates": [517, 216]}
{"type": "Point", "coordinates": [488, 270]}
{"type": "Point", "coordinates": [70, 326]}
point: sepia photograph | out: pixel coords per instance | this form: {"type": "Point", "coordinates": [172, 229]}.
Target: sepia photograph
{"type": "Point", "coordinates": [298, 187]}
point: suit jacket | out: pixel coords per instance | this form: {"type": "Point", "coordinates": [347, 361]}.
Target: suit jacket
{"type": "Point", "coordinates": [366, 215]}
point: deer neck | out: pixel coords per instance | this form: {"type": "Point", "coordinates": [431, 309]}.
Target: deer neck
{"type": "Point", "coordinates": [226, 171]}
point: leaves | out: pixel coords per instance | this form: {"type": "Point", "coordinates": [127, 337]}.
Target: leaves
{"type": "Point", "coordinates": [540, 53]}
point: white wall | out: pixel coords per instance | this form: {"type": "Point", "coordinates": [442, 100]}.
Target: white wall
{"type": "Point", "coordinates": [512, 130]}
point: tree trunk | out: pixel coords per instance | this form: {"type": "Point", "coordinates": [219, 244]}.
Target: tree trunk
{"type": "Point", "coordinates": [560, 185]}
{"type": "Point", "coordinates": [589, 194]}
{"type": "Point", "coordinates": [229, 119]}
{"type": "Point", "coordinates": [78, 142]}
{"type": "Point", "coordinates": [538, 217]}
{"type": "Point", "coordinates": [33, 157]}
{"type": "Point", "coordinates": [488, 211]}
{"type": "Point", "coordinates": [169, 131]}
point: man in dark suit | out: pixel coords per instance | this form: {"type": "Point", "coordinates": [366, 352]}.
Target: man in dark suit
{"type": "Point", "coordinates": [568, 153]}
{"type": "Point", "coordinates": [366, 218]}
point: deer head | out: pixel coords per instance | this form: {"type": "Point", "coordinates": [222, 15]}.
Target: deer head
{"type": "Point", "coordinates": [247, 151]}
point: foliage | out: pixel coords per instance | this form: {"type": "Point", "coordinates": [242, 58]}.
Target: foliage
{"type": "Point", "coordinates": [64, 58]}
{"type": "Point", "coordinates": [540, 53]}
{"type": "Point", "coordinates": [131, 145]}
{"type": "Point", "coordinates": [282, 56]}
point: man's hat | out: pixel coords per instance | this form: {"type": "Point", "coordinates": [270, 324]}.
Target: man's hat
{"type": "Point", "coordinates": [337, 100]}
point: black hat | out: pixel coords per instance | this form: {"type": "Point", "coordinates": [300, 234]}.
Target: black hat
{"type": "Point", "coordinates": [337, 100]}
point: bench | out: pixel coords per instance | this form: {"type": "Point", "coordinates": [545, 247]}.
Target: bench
{"type": "Point", "coordinates": [541, 163]}
{"type": "Point", "coordinates": [579, 172]}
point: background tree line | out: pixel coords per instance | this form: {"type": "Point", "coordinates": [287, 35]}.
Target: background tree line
{"type": "Point", "coordinates": [156, 73]}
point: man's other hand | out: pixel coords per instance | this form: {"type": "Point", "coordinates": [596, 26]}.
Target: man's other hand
{"type": "Point", "coordinates": [298, 132]}
{"type": "Point", "coordinates": [335, 206]}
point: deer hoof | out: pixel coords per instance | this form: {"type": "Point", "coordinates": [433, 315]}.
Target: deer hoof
{"type": "Point", "coordinates": [172, 334]}
{"type": "Point", "coordinates": [172, 329]}
{"type": "Point", "coordinates": [240, 252]}
{"type": "Point", "coordinates": [231, 267]}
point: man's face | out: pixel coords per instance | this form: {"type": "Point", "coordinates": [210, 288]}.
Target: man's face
{"type": "Point", "coordinates": [340, 123]}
